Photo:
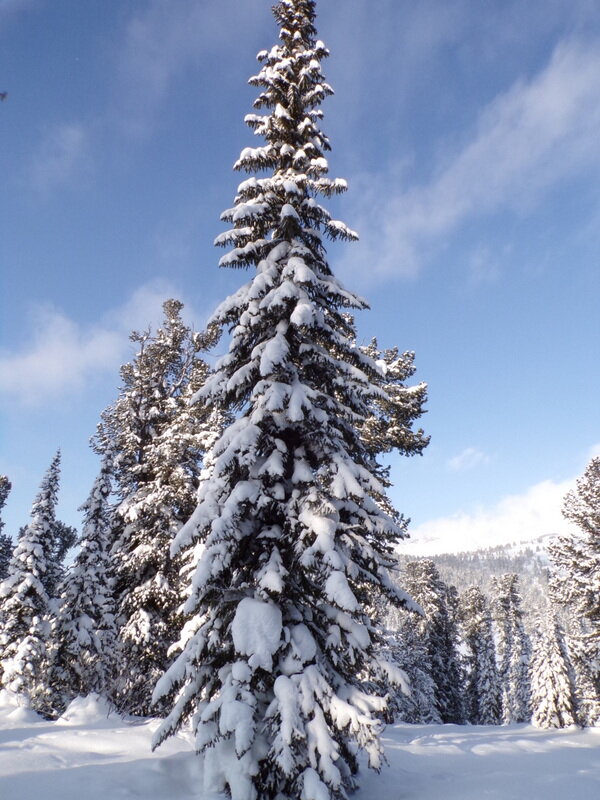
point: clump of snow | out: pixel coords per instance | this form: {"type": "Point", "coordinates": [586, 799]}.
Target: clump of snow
{"type": "Point", "coordinates": [8, 701]}
{"type": "Point", "coordinates": [22, 714]}
{"type": "Point", "coordinates": [339, 592]}
{"type": "Point", "coordinates": [85, 711]}
{"type": "Point", "coordinates": [256, 631]}
{"type": "Point", "coordinates": [15, 707]}
{"type": "Point", "coordinates": [288, 210]}
{"type": "Point", "coordinates": [225, 768]}
{"type": "Point", "coordinates": [313, 788]}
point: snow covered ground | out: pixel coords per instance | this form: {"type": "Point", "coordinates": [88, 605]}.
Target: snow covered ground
{"type": "Point", "coordinates": [89, 755]}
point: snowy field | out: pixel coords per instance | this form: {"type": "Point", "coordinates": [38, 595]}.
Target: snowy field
{"type": "Point", "coordinates": [88, 755]}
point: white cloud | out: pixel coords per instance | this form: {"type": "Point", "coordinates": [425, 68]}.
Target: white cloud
{"type": "Point", "coordinates": [468, 459]}
{"type": "Point", "coordinates": [63, 355]}
{"type": "Point", "coordinates": [525, 142]}
{"type": "Point", "coordinates": [144, 307]}
{"type": "Point", "coordinates": [516, 518]}
{"type": "Point", "coordinates": [62, 157]}
{"type": "Point", "coordinates": [59, 358]}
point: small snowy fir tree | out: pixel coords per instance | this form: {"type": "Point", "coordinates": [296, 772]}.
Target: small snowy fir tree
{"type": "Point", "coordinates": [439, 630]}
{"type": "Point", "coordinates": [59, 537]}
{"type": "Point", "coordinates": [553, 702]}
{"type": "Point", "coordinates": [295, 544]}
{"type": "Point", "coordinates": [82, 636]}
{"type": "Point", "coordinates": [576, 586]}
{"type": "Point", "coordinates": [482, 688]}
{"type": "Point", "coordinates": [513, 650]}
{"type": "Point", "coordinates": [155, 439]}
{"type": "Point", "coordinates": [6, 544]}
{"type": "Point", "coordinates": [24, 602]}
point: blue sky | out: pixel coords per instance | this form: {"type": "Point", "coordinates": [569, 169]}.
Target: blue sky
{"type": "Point", "coordinates": [469, 133]}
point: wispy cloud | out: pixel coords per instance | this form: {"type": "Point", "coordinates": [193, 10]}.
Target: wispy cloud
{"type": "Point", "coordinates": [61, 159]}
{"type": "Point", "coordinates": [516, 518]}
{"type": "Point", "coordinates": [164, 41]}
{"type": "Point", "coordinates": [404, 50]}
{"type": "Point", "coordinates": [469, 458]}
{"type": "Point", "coordinates": [525, 142]}
{"type": "Point", "coordinates": [63, 356]}
{"type": "Point", "coordinates": [594, 451]}
{"type": "Point", "coordinates": [144, 308]}
{"type": "Point", "coordinates": [9, 8]}
{"type": "Point", "coordinates": [160, 42]}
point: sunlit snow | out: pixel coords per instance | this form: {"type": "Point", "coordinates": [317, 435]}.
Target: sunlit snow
{"type": "Point", "coordinates": [90, 754]}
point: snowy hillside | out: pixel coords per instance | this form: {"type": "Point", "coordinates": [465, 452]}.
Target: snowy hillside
{"type": "Point", "coordinates": [87, 753]}
{"type": "Point", "coordinates": [528, 559]}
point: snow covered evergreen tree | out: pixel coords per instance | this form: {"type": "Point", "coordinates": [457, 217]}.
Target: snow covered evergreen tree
{"type": "Point", "coordinates": [296, 543]}
{"type": "Point", "coordinates": [513, 650]}
{"type": "Point", "coordinates": [553, 701]}
{"type": "Point", "coordinates": [482, 688]}
{"type": "Point", "coordinates": [587, 700]}
{"type": "Point", "coordinates": [24, 602]}
{"type": "Point", "coordinates": [407, 642]}
{"type": "Point", "coordinates": [6, 544]}
{"type": "Point", "coordinates": [155, 439]}
{"type": "Point", "coordinates": [576, 586]}
{"type": "Point", "coordinates": [83, 637]}
{"type": "Point", "coordinates": [59, 537]}
{"type": "Point", "coordinates": [439, 630]}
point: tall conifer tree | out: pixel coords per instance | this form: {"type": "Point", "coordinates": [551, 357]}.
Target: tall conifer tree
{"type": "Point", "coordinates": [576, 585]}
{"type": "Point", "coordinates": [58, 537]}
{"type": "Point", "coordinates": [6, 544]}
{"type": "Point", "coordinates": [553, 702]}
{"type": "Point", "coordinates": [585, 671]}
{"type": "Point", "coordinates": [24, 601]}
{"type": "Point", "coordinates": [154, 440]}
{"type": "Point", "coordinates": [514, 650]}
{"type": "Point", "coordinates": [82, 638]}
{"type": "Point", "coordinates": [482, 688]}
{"type": "Point", "coordinates": [296, 542]}
{"type": "Point", "coordinates": [440, 634]}
{"type": "Point", "coordinates": [408, 645]}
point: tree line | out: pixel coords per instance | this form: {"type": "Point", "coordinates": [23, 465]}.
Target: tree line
{"type": "Point", "coordinates": [106, 623]}
{"type": "Point", "coordinates": [470, 659]}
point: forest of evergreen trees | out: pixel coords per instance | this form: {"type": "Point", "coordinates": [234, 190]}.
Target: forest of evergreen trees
{"type": "Point", "coordinates": [236, 569]}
